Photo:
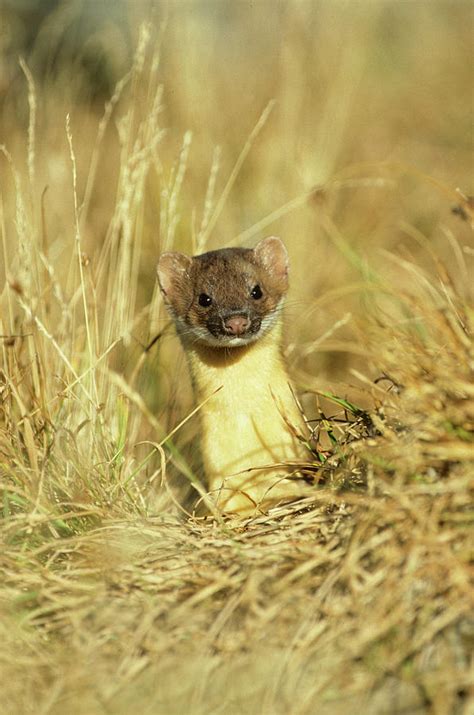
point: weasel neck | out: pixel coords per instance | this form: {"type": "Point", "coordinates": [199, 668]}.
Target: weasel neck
{"type": "Point", "coordinates": [246, 442]}
{"type": "Point", "coordinates": [239, 369]}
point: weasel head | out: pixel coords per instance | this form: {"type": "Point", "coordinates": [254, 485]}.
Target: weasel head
{"type": "Point", "coordinates": [225, 298]}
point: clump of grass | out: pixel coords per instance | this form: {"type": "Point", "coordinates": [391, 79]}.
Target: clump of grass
{"type": "Point", "coordinates": [113, 599]}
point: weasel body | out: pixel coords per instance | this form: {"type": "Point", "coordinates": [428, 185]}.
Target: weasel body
{"type": "Point", "coordinates": [226, 305]}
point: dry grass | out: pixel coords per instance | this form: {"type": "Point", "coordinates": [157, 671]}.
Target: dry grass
{"type": "Point", "coordinates": [113, 598]}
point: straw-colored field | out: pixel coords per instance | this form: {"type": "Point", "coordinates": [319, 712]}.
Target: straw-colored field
{"type": "Point", "coordinates": [346, 129]}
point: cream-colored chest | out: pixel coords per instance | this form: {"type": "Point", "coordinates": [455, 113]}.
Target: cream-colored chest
{"type": "Point", "coordinates": [245, 436]}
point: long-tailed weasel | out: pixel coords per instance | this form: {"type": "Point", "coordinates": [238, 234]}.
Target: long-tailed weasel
{"type": "Point", "coordinates": [226, 305]}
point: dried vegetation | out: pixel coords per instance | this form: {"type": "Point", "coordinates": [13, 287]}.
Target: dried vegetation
{"type": "Point", "coordinates": [114, 597]}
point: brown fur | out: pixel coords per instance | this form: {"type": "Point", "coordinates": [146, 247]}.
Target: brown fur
{"type": "Point", "coordinates": [227, 276]}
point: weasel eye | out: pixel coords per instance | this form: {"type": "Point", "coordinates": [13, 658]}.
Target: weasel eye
{"type": "Point", "coordinates": [256, 292]}
{"type": "Point", "coordinates": [205, 300]}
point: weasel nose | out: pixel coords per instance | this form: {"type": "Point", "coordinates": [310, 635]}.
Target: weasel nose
{"type": "Point", "coordinates": [237, 324]}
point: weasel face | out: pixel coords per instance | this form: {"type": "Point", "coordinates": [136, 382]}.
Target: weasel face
{"type": "Point", "coordinates": [225, 298]}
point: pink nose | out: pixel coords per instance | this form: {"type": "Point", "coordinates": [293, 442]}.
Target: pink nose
{"type": "Point", "coordinates": [237, 324]}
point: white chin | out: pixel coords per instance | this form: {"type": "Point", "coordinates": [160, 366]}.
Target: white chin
{"type": "Point", "coordinates": [229, 341]}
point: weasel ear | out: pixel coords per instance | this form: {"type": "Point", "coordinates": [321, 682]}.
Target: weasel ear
{"type": "Point", "coordinates": [273, 256]}
{"type": "Point", "coordinates": [173, 271]}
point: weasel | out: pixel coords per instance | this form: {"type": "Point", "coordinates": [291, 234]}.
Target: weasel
{"type": "Point", "coordinates": [226, 305]}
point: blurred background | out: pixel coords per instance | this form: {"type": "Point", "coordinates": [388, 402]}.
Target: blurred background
{"type": "Point", "coordinates": [129, 127]}
{"type": "Point", "coordinates": [352, 120]}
